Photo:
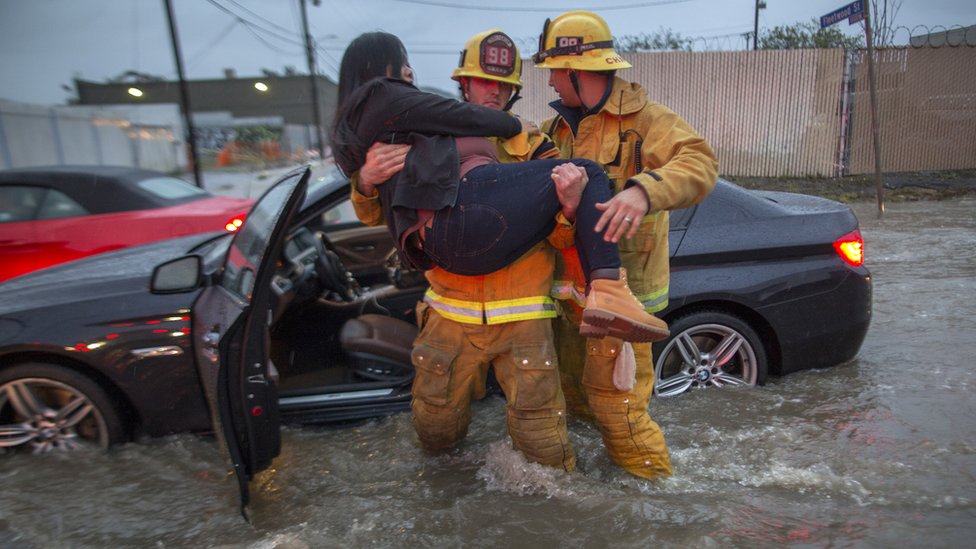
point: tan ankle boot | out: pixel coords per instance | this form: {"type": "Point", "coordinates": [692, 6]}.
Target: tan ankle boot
{"type": "Point", "coordinates": [611, 309]}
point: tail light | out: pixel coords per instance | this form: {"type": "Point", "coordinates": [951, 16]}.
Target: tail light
{"type": "Point", "coordinates": [850, 248]}
{"type": "Point", "coordinates": [235, 223]}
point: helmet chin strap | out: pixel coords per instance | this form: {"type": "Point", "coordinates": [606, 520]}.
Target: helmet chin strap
{"type": "Point", "coordinates": [574, 80]}
{"type": "Point", "coordinates": [515, 97]}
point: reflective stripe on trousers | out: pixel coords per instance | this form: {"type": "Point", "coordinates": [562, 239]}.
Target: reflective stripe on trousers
{"type": "Point", "coordinates": [492, 312]}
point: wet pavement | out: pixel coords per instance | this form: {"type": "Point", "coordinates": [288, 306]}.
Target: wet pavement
{"type": "Point", "coordinates": [878, 452]}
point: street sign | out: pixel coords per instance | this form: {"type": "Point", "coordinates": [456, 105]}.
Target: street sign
{"type": "Point", "coordinates": [853, 12]}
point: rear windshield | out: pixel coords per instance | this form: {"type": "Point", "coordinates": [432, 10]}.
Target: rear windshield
{"type": "Point", "coordinates": [171, 188]}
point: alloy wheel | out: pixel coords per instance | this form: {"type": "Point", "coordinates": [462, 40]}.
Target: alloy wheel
{"type": "Point", "coordinates": [706, 356]}
{"type": "Point", "coordinates": [48, 415]}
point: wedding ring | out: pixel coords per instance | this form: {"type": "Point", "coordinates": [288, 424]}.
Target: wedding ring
{"type": "Point", "coordinates": [627, 219]}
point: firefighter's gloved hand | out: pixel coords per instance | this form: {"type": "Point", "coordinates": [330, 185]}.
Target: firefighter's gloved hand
{"type": "Point", "coordinates": [625, 368]}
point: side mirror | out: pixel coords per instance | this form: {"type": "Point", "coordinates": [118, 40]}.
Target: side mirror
{"type": "Point", "coordinates": [177, 276]}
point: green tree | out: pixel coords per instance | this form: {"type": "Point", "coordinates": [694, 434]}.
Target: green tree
{"type": "Point", "coordinates": [661, 40]}
{"type": "Point", "coordinates": [807, 35]}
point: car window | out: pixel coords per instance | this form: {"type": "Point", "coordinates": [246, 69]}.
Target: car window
{"type": "Point", "coordinates": [252, 241]}
{"type": "Point", "coordinates": [19, 203]}
{"type": "Point", "coordinates": [340, 214]}
{"type": "Point", "coordinates": [170, 188]}
{"type": "Point", "coordinates": [57, 205]}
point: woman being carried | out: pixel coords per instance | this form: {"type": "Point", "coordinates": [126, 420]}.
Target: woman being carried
{"type": "Point", "coordinates": [455, 206]}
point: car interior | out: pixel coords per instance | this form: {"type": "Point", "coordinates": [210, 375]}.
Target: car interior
{"type": "Point", "coordinates": [342, 334]}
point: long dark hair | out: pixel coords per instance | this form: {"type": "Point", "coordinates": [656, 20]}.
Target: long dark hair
{"type": "Point", "coordinates": [367, 57]}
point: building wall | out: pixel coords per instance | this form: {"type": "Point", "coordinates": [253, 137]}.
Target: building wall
{"type": "Point", "coordinates": [34, 135]}
{"type": "Point", "coordinates": [288, 96]}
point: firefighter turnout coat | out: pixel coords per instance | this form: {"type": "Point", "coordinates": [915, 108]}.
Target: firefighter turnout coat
{"type": "Point", "coordinates": [638, 142]}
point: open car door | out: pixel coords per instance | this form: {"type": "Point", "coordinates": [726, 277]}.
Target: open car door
{"type": "Point", "coordinates": [231, 339]}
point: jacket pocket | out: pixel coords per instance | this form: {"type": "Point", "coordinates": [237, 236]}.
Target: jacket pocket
{"type": "Point", "coordinates": [648, 235]}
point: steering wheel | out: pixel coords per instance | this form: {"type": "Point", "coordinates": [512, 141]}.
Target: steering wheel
{"type": "Point", "coordinates": [332, 274]}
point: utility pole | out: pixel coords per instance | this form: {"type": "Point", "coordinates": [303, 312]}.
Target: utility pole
{"type": "Point", "coordinates": [184, 95]}
{"type": "Point", "coordinates": [760, 5]}
{"type": "Point", "coordinates": [310, 55]}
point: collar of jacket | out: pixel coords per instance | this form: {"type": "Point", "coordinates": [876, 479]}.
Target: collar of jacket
{"type": "Point", "coordinates": [624, 98]}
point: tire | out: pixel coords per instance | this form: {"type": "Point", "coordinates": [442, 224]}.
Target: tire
{"type": "Point", "coordinates": [687, 359]}
{"type": "Point", "coordinates": [44, 407]}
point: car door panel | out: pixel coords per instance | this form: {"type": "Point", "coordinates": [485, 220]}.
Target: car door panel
{"type": "Point", "coordinates": [231, 340]}
{"type": "Point", "coordinates": [363, 250]}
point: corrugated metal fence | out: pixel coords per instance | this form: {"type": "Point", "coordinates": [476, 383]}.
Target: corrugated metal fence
{"type": "Point", "coordinates": [806, 112]}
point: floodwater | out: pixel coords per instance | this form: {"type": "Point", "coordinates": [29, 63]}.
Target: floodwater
{"type": "Point", "coordinates": [879, 452]}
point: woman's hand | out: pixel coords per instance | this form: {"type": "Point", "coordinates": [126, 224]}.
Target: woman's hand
{"type": "Point", "coordinates": [383, 161]}
{"type": "Point", "coordinates": [570, 180]}
{"type": "Point", "coordinates": [622, 214]}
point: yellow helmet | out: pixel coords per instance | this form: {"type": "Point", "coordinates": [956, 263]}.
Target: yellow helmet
{"type": "Point", "coordinates": [493, 55]}
{"type": "Point", "coordinates": [578, 40]}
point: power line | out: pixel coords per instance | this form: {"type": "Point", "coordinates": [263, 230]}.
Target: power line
{"type": "Point", "coordinates": [206, 49]}
{"type": "Point", "coordinates": [273, 24]}
{"type": "Point", "coordinates": [520, 8]}
{"type": "Point", "coordinates": [265, 42]}
{"type": "Point", "coordinates": [252, 26]}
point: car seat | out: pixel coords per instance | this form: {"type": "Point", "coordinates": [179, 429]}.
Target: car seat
{"type": "Point", "coordinates": [379, 347]}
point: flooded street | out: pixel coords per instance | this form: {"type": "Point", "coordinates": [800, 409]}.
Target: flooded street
{"type": "Point", "coordinates": [879, 452]}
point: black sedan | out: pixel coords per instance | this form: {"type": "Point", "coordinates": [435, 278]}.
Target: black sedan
{"type": "Point", "coordinates": [305, 315]}
{"type": "Point", "coordinates": [761, 283]}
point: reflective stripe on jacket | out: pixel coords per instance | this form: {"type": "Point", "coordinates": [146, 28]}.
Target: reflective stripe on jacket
{"type": "Point", "coordinates": [677, 169]}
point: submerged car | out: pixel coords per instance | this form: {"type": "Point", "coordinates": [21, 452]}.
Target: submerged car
{"type": "Point", "coordinates": [304, 315]}
{"type": "Point", "coordinates": [762, 283]}
{"type": "Point", "coordinates": [50, 215]}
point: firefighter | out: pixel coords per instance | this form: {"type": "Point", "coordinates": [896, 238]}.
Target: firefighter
{"type": "Point", "coordinates": [501, 320]}
{"type": "Point", "coordinates": [657, 162]}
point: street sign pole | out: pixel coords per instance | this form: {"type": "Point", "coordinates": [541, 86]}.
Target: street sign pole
{"type": "Point", "coordinates": [874, 108]}
{"type": "Point", "coordinates": [860, 10]}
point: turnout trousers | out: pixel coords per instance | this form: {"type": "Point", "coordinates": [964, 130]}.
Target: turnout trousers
{"type": "Point", "coordinates": [452, 361]}
{"type": "Point", "coordinates": [633, 440]}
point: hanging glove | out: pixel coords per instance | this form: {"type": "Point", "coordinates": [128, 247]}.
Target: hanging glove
{"type": "Point", "coordinates": [625, 368]}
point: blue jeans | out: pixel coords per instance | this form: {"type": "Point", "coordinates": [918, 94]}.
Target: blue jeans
{"type": "Point", "coordinates": [503, 210]}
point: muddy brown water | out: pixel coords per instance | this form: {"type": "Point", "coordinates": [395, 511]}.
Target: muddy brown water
{"type": "Point", "coordinates": [878, 452]}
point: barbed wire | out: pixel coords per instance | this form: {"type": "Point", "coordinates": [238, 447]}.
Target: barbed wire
{"type": "Point", "coordinates": [938, 36]}
{"type": "Point", "coordinates": [901, 37]}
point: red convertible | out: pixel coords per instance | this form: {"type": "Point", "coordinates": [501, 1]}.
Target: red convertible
{"type": "Point", "coordinates": [50, 215]}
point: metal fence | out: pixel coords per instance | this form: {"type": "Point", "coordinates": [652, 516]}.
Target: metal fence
{"type": "Point", "coordinates": [766, 113]}
{"type": "Point", "coordinates": [926, 110]}
{"type": "Point", "coordinates": [807, 112]}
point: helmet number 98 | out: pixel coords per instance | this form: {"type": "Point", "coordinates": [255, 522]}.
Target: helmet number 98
{"type": "Point", "coordinates": [498, 56]}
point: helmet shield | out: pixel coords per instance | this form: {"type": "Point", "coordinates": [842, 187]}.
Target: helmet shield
{"type": "Point", "coordinates": [491, 55]}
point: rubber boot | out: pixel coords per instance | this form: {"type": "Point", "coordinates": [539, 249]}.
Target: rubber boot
{"type": "Point", "coordinates": [611, 309]}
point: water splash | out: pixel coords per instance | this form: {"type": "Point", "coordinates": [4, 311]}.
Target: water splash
{"type": "Point", "coordinates": [507, 470]}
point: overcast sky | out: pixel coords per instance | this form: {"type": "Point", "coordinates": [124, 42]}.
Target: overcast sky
{"type": "Point", "coordinates": [44, 44]}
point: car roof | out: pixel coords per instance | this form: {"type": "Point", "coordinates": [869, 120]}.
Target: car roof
{"type": "Point", "coordinates": [100, 189]}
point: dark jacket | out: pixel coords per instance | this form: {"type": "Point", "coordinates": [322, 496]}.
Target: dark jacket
{"type": "Point", "coordinates": [394, 111]}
